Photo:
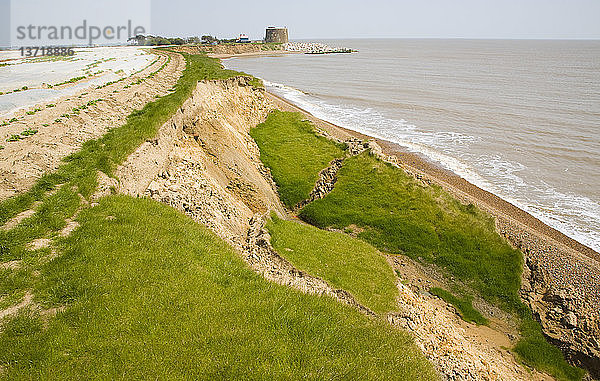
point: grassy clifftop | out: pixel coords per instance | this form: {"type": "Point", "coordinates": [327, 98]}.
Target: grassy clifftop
{"type": "Point", "coordinates": [148, 293]}
{"type": "Point", "coordinates": [140, 291]}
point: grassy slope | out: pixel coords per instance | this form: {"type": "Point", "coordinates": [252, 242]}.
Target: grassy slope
{"type": "Point", "coordinates": [139, 306]}
{"type": "Point", "coordinates": [151, 294]}
{"type": "Point", "coordinates": [283, 136]}
{"type": "Point", "coordinates": [400, 216]}
{"type": "Point", "coordinates": [343, 261]}
{"type": "Point", "coordinates": [78, 172]}
{"type": "Point", "coordinates": [464, 306]}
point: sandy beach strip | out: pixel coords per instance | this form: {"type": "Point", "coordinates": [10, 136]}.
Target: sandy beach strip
{"type": "Point", "coordinates": [265, 53]}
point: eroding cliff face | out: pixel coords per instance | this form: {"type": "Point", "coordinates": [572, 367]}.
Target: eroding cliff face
{"type": "Point", "coordinates": [562, 288]}
{"type": "Point", "coordinates": [204, 163]}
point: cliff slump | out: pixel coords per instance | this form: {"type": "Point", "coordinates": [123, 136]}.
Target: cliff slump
{"type": "Point", "coordinates": [204, 163]}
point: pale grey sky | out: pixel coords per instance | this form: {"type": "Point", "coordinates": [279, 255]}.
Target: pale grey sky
{"type": "Point", "coordinates": [562, 19]}
{"type": "Point", "coordinates": [318, 19]}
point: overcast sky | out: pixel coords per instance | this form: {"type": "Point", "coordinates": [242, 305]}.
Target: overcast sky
{"type": "Point", "coordinates": [563, 19]}
{"type": "Point", "coordinates": [318, 19]}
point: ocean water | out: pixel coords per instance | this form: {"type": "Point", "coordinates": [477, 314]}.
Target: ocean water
{"type": "Point", "coordinates": [520, 119]}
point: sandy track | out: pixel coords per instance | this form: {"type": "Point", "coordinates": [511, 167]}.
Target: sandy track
{"type": "Point", "coordinates": [23, 162]}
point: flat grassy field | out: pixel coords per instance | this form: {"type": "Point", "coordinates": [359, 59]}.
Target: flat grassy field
{"type": "Point", "coordinates": [343, 261]}
{"type": "Point", "coordinates": [150, 294]}
{"type": "Point", "coordinates": [295, 155]}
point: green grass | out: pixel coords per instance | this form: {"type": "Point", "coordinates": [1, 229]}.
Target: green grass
{"type": "Point", "coordinates": [104, 154]}
{"type": "Point", "coordinates": [343, 261]}
{"type": "Point", "coordinates": [427, 224]}
{"type": "Point", "coordinates": [464, 306]}
{"type": "Point", "coordinates": [49, 218]}
{"type": "Point", "coordinates": [401, 216]}
{"type": "Point", "coordinates": [533, 349]}
{"type": "Point", "coordinates": [294, 154]}
{"type": "Point", "coordinates": [150, 294]}
{"type": "Point", "coordinates": [14, 138]}
{"type": "Point", "coordinates": [77, 174]}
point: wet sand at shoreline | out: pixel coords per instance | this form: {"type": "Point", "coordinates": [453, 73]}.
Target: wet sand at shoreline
{"type": "Point", "coordinates": [266, 53]}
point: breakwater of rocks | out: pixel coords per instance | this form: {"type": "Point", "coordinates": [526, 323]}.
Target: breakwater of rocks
{"type": "Point", "coordinates": [314, 48]}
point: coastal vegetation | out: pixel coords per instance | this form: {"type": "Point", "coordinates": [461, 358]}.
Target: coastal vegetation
{"type": "Point", "coordinates": [135, 306]}
{"type": "Point", "coordinates": [104, 154]}
{"type": "Point", "coordinates": [343, 261]}
{"type": "Point", "coordinates": [271, 46]}
{"type": "Point", "coordinates": [399, 215]}
{"type": "Point", "coordinates": [116, 301]}
{"type": "Point", "coordinates": [464, 306]}
{"type": "Point", "coordinates": [111, 300]}
{"type": "Point", "coordinates": [295, 155]}
{"type": "Point", "coordinates": [76, 178]}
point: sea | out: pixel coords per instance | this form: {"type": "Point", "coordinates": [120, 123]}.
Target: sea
{"type": "Point", "coordinates": [518, 118]}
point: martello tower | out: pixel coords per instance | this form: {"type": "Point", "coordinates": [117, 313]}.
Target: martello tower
{"type": "Point", "coordinates": [277, 35]}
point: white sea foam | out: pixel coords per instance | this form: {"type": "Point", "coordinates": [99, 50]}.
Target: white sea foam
{"type": "Point", "coordinates": [573, 215]}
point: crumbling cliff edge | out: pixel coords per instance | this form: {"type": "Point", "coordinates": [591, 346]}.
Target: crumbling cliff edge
{"type": "Point", "coordinates": [204, 163]}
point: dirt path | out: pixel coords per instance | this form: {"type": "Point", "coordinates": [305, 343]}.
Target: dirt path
{"type": "Point", "coordinates": [64, 125]}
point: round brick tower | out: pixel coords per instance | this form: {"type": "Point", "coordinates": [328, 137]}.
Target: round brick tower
{"type": "Point", "coordinates": [277, 35]}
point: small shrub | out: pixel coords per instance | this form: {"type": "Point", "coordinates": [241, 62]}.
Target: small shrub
{"type": "Point", "coordinates": [29, 132]}
{"type": "Point", "coordinates": [464, 306]}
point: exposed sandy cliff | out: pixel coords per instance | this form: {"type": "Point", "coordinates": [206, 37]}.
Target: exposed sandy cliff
{"type": "Point", "coordinates": [204, 163]}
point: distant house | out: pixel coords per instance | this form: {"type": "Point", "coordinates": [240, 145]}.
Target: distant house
{"type": "Point", "coordinates": [243, 39]}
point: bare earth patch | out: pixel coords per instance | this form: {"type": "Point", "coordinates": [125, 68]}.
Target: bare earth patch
{"type": "Point", "coordinates": [61, 130]}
